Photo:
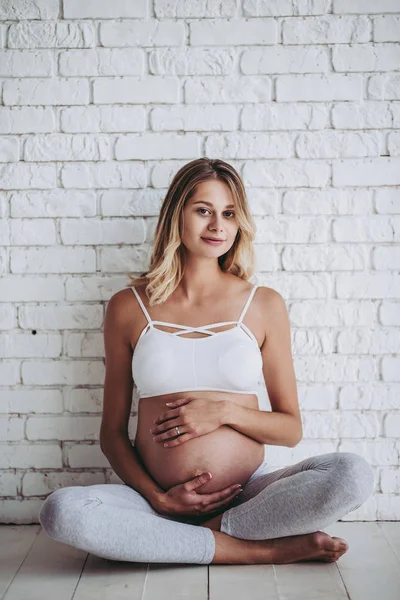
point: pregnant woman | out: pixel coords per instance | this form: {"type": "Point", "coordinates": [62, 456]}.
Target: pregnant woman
{"type": "Point", "coordinates": [195, 337]}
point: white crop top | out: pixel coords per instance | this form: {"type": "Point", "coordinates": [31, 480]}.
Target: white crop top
{"type": "Point", "coordinates": [224, 361]}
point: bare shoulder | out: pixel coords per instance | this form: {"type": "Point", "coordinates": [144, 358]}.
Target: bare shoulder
{"type": "Point", "coordinates": [266, 296]}
{"type": "Point", "coordinates": [271, 307]}
{"type": "Point", "coordinates": [120, 300]}
{"type": "Point", "coordinates": [122, 311]}
{"type": "Point", "coordinates": [270, 296]}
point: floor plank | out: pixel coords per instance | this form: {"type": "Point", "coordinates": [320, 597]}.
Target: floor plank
{"type": "Point", "coordinates": [180, 582]}
{"type": "Point", "coordinates": [110, 580]}
{"type": "Point", "coordinates": [15, 542]}
{"type": "Point", "coordinates": [35, 567]}
{"type": "Point", "coordinates": [50, 570]}
{"type": "Point", "coordinates": [314, 581]}
{"type": "Point", "coordinates": [370, 568]}
{"type": "Point", "coordinates": [235, 582]}
{"type": "Point", "coordinates": [391, 530]}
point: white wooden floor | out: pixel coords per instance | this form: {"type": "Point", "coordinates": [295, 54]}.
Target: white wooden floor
{"type": "Point", "coordinates": [34, 567]}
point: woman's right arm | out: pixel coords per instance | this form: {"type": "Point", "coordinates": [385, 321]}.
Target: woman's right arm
{"type": "Point", "coordinates": [114, 438]}
{"type": "Point", "coordinates": [117, 400]}
{"type": "Point", "coordinates": [126, 463]}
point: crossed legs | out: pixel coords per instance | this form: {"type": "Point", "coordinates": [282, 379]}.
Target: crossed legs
{"type": "Point", "coordinates": [115, 522]}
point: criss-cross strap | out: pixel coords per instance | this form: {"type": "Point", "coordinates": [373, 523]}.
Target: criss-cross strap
{"type": "Point", "coordinates": [246, 306]}
{"type": "Point", "coordinates": [200, 328]}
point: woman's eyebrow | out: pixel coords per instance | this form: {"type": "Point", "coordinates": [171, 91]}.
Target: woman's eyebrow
{"type": "Point", "coordinates": [209, 203]}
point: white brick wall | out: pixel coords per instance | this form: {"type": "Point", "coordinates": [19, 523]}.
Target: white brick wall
{"type": "Point", "coordinates": [101, 103]}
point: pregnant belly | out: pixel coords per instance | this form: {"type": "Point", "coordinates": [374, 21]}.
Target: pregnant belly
{"type": "Point", "coordinates": [230, 456]}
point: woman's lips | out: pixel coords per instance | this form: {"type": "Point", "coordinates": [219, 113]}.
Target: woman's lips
{"type": "Point", "coordinates": [213, 242]}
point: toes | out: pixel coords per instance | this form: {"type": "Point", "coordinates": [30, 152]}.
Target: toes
{"type": "Point", "coordinates": [332, 556]}
{"type": "Point", "coordinates": [341, 544]}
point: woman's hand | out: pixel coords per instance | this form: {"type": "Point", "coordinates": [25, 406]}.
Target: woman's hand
{"type": "Point", "coordinates": [183, 499]}
{"type": "Point", "coordinates": [193, 416]}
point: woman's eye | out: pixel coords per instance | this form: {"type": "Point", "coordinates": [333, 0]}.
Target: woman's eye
{"type": "Point", "coordinates": [229, 211]}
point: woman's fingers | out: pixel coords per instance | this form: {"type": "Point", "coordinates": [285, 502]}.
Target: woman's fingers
{"type": "Point", "coordinates": [220, 495]}
{"type": "Point", "coordinates": [221, 503]}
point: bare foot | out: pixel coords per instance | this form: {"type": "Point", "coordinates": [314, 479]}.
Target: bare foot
{"type": "Point", "coordinates": [316, 546]}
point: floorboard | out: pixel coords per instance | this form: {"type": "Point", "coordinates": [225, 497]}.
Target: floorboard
{"type": "Point", "coordinates": [35, 567]}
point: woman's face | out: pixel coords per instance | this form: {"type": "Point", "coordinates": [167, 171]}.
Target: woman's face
{"type": "Point", "coordinates": [209, 213]}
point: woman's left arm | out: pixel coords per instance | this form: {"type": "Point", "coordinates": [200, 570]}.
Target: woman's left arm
{"type": "Point", "coordinates": [266, 427]}
{"type": "Point", "coordinates": [282, 426]}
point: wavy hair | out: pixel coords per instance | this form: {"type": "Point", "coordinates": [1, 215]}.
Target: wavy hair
{"type": "Point", "coordinates": [167, 260]}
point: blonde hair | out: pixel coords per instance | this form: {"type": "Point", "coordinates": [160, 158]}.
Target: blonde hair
{"type": "Point", "coordinates": [167, 259]}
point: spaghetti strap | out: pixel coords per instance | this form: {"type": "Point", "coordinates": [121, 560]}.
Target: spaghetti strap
{"type": "Point", "coordinates": [141, 304]}
{"type": "Point", "coordinates": [246, 306]}
{"type": "Point", "coordinates": [186, 327]}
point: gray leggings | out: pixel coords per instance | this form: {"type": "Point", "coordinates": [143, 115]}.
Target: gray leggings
{"type": "Point", "coordinates": [115, 522]}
